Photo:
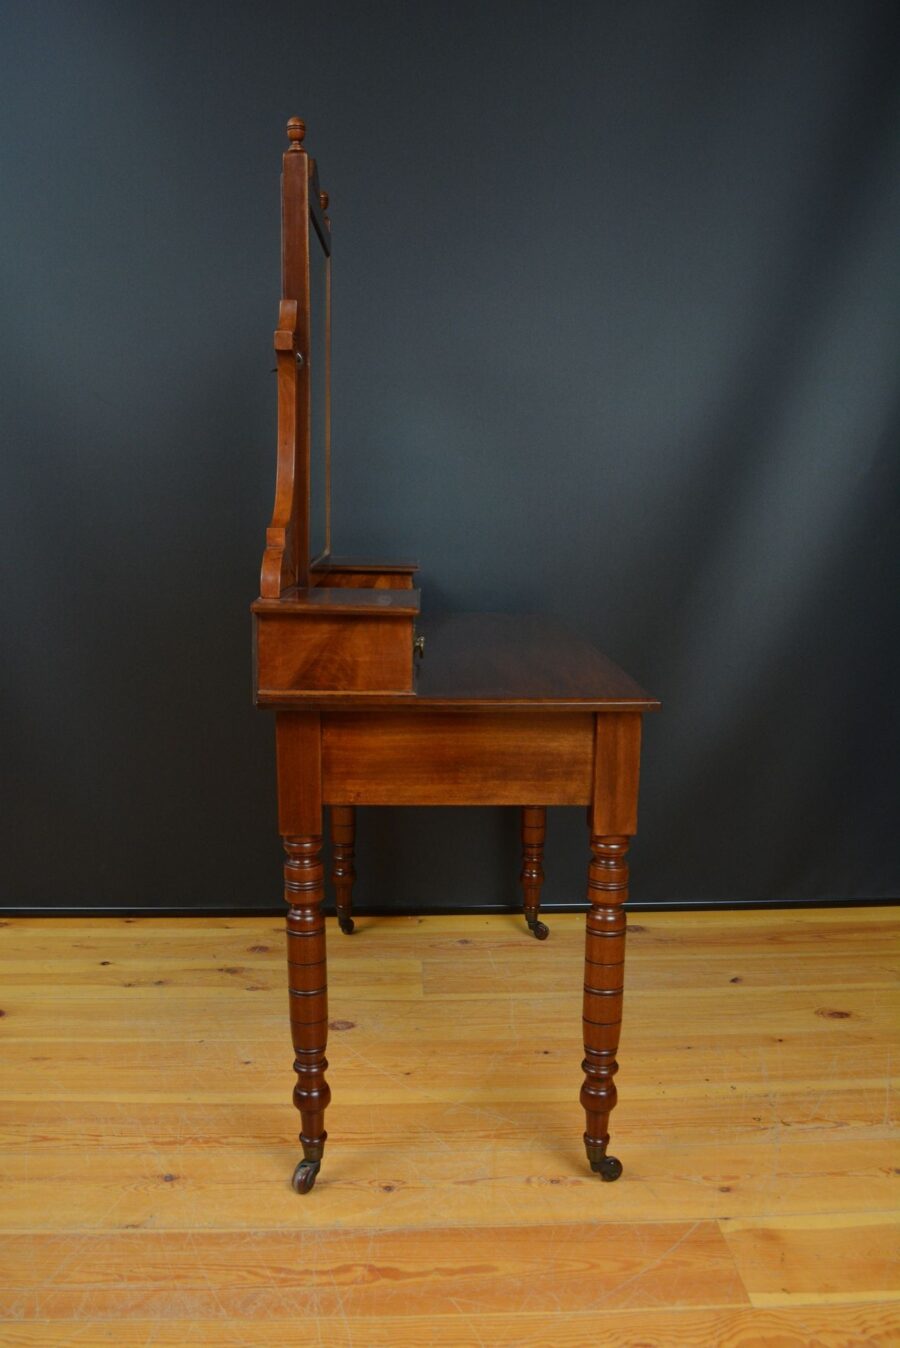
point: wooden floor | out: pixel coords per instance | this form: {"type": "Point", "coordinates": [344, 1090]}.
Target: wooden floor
{"type": "Point", "coordinates": [147, 1137]}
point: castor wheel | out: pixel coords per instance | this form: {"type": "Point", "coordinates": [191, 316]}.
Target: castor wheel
{"type": "Point", "coordinates": [304, 1176]}
{"type": "Point", "coordinates": [346, 925]}
{"type": "Point", "coordinates": [609, 1168]}
{"type": "Point", "coordinates": [538, 929]}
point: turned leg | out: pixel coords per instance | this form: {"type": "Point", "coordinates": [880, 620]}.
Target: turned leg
{"type": "Point", "coordinates": [604, 962]}
{"type": "Point", "coordinates": [303, 891]}
{"type": "Point", "coordinates": [343, 836]}
{"type": "Point", "coordinates": [298, 742]}
{"type": "Point", "coordinates": [534, 831]}
{"type": "Point", "coordinates": [612, 819]}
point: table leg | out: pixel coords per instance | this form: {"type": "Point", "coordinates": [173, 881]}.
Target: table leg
{"type": "Point", "coordinates": [298, 744]}
{"type": "Point", "coordinates": [534, 831]}
{"type": "Point", "coordinates": [343, 838]}
{"type": "Point", "coordinates": [613, 822]}
{"type": "Point", "coordinates": [604, 963]}
{"type": "Point", "coordinates": [303, 888]}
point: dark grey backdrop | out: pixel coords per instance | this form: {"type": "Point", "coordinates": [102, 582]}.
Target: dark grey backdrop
{"type": "Point", "coordinates": [616, 302]}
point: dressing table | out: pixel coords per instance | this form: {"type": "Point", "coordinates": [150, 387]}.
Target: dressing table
{"type": "Point", "coordinates": [375, 705]}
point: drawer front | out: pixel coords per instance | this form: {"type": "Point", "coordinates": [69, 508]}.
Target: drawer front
{"type": "Point", "coordinates": [333, 653]}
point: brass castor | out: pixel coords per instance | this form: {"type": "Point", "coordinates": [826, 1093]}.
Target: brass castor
{"type": "Point", "coordinates": [538, 929]}
{"type": "Point", "coordinates": [304, 1176]}
{"type": "Point", "coordinates": [609, 1168]}
{"type": "Point", "coordinates": [346, 925]}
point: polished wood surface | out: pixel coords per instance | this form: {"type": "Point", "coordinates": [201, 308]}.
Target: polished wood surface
{"type": "Point", "coordinates": [359, 573]}
{"type": "Point", "coordinates": [613, 819]}
{"type": "Point", "coordinates": [286, 558]}
{"type": "Point", "coordinates": [456, 758]}
{"type": "Point", "coordinates": [361, 601]}
{"type": "Point", "coordinates": [375, 709]}
{"type": "Point", "coordinates": [333, 649]}
{"type": "Point", "coordinates": [521, 660]}
{"type": "Point", "coordinates": [489, 661]}
{"type": "Point", "coordinates": [144, 1138]}
{"type": "Point", "coordinates": [298, 752]}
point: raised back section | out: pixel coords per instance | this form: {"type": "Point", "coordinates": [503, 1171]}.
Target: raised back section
{"type": "Point", "coordinates": [300, 528]}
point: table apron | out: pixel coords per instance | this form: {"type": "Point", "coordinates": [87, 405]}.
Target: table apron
{"type": "Point", "coordinates": [457, 758]}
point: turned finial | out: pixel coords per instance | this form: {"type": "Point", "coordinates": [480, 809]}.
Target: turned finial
{"type": "Point", "coordinates": [323, 200]}
{"type": "Point", "coordinates": [296, 130]}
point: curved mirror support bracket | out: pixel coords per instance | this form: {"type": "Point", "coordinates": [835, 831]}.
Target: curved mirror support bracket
{"type": "Point", "coordinates": [299, 532]}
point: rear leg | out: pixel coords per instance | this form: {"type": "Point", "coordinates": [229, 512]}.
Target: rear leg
{"type": "Point", "coordinates": [343, 838]}
{"type": "Point", "coordinates": [534, 831]}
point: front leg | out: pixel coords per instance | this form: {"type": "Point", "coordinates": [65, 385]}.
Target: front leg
{"type": "Point", "coordinates": [307, 981]}
{"type": "Point", "coordinates": [298, 742]}
{"type": "Point", "coordinates": [604, 964]}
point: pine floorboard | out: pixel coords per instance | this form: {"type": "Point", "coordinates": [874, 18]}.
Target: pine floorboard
{"type": "Point", "coordinates": [147, 1136]}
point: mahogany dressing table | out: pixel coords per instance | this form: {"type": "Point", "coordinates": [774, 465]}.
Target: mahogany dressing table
{"type": "Point", "coordinates": [503, 710]}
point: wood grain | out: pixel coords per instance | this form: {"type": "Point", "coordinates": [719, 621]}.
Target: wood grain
{"type": "Point", "coordinates": [857, 1326]}
{"type": "Point", "coordinates": [146, 1137]}
{"type": "Point", "coordinates": [432, 758]}
{"type": "Point", "coordinates": [401, 1273]}
{"type": "Point", "coordinates": [818, 1258]}
{"type": "Point", "coordinates": [286, 558]}
{"type": "Point", "coordinates": [494, 662]}
{"type": "Point", "coordinates": [337, 652]}
{"type": "Point", "coordinates": [337, 572]}
{"type": "Point", "coordinates": [521, 659]}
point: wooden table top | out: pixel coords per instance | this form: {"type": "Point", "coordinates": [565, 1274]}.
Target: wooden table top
{"type": "Point", "coordinates": [494, 662]}
{"type": "Point", "coordinates": [485, 659]}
